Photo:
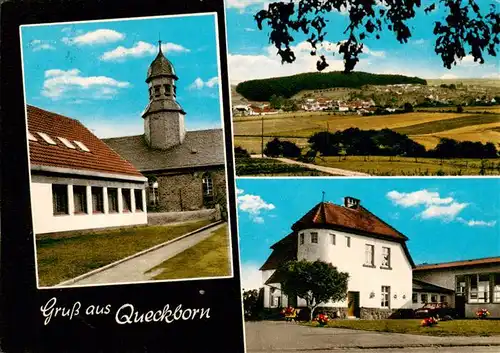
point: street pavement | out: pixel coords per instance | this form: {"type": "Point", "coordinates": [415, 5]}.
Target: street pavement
{"type": "Point", "coordinates": [279, 336]}
{"type": "Point", "coordinates": [134, 270]}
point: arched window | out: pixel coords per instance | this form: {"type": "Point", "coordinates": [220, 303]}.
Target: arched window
{"type": "Point", "coordinates": [208, 186]}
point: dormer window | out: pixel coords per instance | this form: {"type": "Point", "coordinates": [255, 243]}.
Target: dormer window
{"type": "Point", "coordinates": [46, 138]}
{"type": "Point", "coordinates": [31, 137]}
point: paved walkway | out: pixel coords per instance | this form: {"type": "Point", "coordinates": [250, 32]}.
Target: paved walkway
{"type": "Point", "coordinates": [328, 170]}
{"type": "Point", "coordinates": [134, 270]}
{"type": "Point", "coordinates": [279, 336]}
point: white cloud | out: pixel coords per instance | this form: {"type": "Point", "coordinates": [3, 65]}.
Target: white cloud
{"type": "Point", "coordinates": [108, 129]}
{"type": "Point", "coordinates": [476, 223]}
{"type": "Point", "coordinates": [247, 29]}
{"type": "Point", "coordinates": [251, 277]}
{"type": "Point", "coordinates": [254, 205]}
{"type": "Point", "coordinates": [38, 44]}
{"type": "Point", "coordinates": [140, 49]}
{"type": "Point", "coordinates": [421, 197]}
{"type": "Point", "coordinates": [494, 75]}
{"type": "Point", "coordinates": [199, 83]}
{"type": "Point", "coordinates": [99, 36]}
{"type": "Point", "coordinates": [435, 206]}
{"type": "Point", "coordinates": [71, 84]}
{"type": "Point", "coordinates": [420, 41]}
{"type": "Point", "coordinates": [447, 212]}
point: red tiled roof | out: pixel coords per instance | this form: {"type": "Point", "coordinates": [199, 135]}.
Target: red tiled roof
{"type": "Point", "coordinates": [283, 251]}
{"type": "Point", "coordinates": [443, 265]}
{"type": "Point", "coordinates": [357, 219]}
{"type": "Point", "coordinates": [101, 158]}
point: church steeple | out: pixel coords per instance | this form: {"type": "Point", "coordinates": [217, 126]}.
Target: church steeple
{"type": "Point", "coordinates": [163, 117]}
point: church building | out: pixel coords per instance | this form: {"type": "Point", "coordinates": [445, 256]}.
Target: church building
{"type": "Point", "coordinates": [185, 169]}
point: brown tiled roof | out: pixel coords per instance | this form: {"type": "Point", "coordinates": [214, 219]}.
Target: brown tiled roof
{"type": "Point", "coordinates": [327, 215]}
{"type": "Point", "coordinates": [101, 158]}
{"type": "Point", "coordinates": [465, 263]}
{"type": "Point", "coordinates": [200, 148]}
{"type": "Point", "coordinates": [284, 250]}
{"type": "Point", "coordinates": [355, 219]}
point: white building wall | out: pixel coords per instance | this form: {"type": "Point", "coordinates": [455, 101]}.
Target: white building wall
{"type": "Point", "coordinates": [367, 281]}
{"type": "Point", "coordinates": [44, 221]}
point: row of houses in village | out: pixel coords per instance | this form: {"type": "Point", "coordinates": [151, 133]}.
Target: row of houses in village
{"type": "Point", "coordinates": [382, 275]}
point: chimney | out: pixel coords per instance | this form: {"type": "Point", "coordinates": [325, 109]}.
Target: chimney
{"type": "Point", "coordinates": [351, 202]}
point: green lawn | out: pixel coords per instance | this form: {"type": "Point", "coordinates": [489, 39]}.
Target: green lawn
{"type": "Point", "coordinates": [209, 258]}
{"type": "Point", "coordinates": [405, 166]}
{"type": "Point", "coordinates": [60, 259]}
{"type": "Point", "coordinates": [272, 167]}
{"type": "Point", "coordinates": [412, 326]}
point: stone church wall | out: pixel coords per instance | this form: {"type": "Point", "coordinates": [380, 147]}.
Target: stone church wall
{"type": "Point", "coordinates": [184, 191]}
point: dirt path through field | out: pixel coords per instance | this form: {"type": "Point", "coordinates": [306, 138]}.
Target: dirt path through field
{"type": "Point", "coordinates": [333, 171]}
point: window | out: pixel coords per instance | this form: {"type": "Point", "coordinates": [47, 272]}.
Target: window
{"type": "Point", "coordinates": [301, 238]}
{"type": "Point", "coordinates": [66, 142]}
{"type": "Point", "coordinates": [97, 200]}
{"type": "Point", "coordinates": [80, 199]}
{"type": "Point", "coordinates": [60, 199]}
{"type": "Point", "coordinates": [479, 288]}
{"type": "Point", "coordinates": [332, 239]}
{"type": "Point", "coordinates": [82, 146]}
{"type": "Point", "coordinates": [167, 90]}
{"type": "Point", "coordinates": [47, 138]}
{"type": "Point", "coordinates": [386, 257]}
{"type": "Point", "coordinates": [434, 298]}
{"type": "Point", "coordinates": [112, 200]}
{"type": "Point", "coordinates": [157, 91]}
{"type": "Point", "coordinates": [314, 238]}
{"type": "Point", "coordinates": [424, 298]}
{"type": "Point", "coordinates": [496, 288]}
{"type": "Point", "coordinates": [348, 241]}
{"type": "Point", "coordinates": [442, 299]}
{"type": "Point", "coordinates": [460, 286]}
{"type": "Point", "coordinates": [414, 298]}
{"type": "Point", "coordinates": [369, 252]}
{"type": "Point", "coordinates": [126, 200]}
{"type": "Point", "coordinates": [31, 137]}
{"type": "Point", "coordinates": [138, 200]}
{"type": "Point", "coordinates": [208, 188]}
{"type": "Point", "coordinates": [386, 293]}
{"type": "Point", "coordinates": [150, 92]}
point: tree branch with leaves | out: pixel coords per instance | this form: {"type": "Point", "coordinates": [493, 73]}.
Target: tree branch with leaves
{"type": "Point", "coordinates": [466, 29]}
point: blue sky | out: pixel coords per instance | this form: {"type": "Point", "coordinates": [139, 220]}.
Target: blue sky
{"type": "Point", "coordinates": [251, 56]}
{"type": "Point", "coordinates": [445, 219]}
{"type": "Point", "coordinates": [95, 72]}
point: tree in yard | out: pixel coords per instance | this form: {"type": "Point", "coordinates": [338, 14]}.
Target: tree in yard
{"type": "Point", "coordinates": [290, 149]}
{"type": "Point", "coordinates": [466, 29]}
{"type": "Point", "coordinates": [316, 282]}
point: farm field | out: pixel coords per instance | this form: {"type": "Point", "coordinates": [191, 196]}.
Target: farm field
{"type": "Point", "coordinates": [425, 128]}
{"type": "Point", "coordinates": [406, 166]}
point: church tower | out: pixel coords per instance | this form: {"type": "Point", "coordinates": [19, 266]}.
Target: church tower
{"type": "Point", "coordinates": [163, 117]}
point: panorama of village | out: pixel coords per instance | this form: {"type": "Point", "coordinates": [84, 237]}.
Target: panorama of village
{"type": "Point", "coordinates": [415, 128]}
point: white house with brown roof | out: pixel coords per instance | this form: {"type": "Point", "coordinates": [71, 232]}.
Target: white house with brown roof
{"type": "Point", "coordinates": [77, 181]}
{"type": "Point", "coordinates": [475, 283]}
{"type": "Point", "coordinates": [353, 240]}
